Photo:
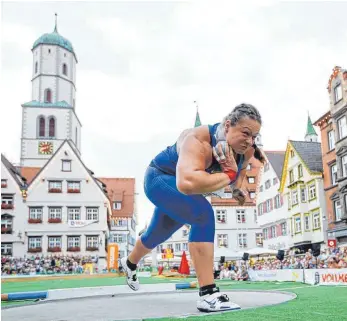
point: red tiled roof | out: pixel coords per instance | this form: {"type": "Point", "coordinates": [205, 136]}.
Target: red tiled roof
{"type": "Point", "coordinates": [121, 190]}
{"type": "Point", "coordinates": [29, 172]}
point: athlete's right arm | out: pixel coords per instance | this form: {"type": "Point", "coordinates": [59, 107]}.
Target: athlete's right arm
{"type": "Point", "coordinates": [191, 177]}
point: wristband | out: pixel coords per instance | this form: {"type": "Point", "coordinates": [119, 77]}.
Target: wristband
{"type": "Point", "coordinates": [232, 175]}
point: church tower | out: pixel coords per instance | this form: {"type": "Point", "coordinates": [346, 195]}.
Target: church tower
{"type": "Point", "coordinates": [311, 135]}
{"type": "Point", "coordinates": [50, 117]}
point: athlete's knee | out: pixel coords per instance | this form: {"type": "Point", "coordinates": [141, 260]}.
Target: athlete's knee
{"type": "Point", "coordinates": [203, 230]}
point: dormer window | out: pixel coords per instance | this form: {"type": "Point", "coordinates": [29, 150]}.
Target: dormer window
{"type": "Point", "coordinates": [117, 205]}
{"type": "Point", "coordinates": [338, 93]}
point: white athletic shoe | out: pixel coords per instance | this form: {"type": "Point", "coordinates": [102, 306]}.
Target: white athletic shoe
{"type": "Point", "coordinates": [216, 302]}
{"type": "Point", "coordinates": [132, 279]}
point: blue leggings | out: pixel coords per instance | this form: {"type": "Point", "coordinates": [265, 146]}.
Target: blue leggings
{"type": "Point", "coordinates": [174, 209]}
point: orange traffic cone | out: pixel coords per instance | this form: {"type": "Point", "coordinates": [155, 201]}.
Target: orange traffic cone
{"type": "Point", "coordinates": [184, 267]}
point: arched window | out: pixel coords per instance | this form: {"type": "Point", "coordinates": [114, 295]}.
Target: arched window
{"type": "Point", "coordinates": [65, 69]}
{"type": "Point", "coordinates": [51, 127]}
{"type": "Point", "coordinates": [48, 96]}
{"type": "Point", "coordinates": [36, 67]}
{"type": "Point", "coordinates": [42, 126]}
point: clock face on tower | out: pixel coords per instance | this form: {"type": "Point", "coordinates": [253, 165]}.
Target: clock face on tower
{"type": "Point", "coordinates": [45, 148]}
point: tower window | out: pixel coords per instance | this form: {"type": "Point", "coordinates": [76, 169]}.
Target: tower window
{"type": "Point", "coordinates": [36, 67]}
{"type": "Point", "coordinates": [51, 127]}
{"type": "Point", "coordinates": [49, 51]}
{"type": "Point", "coordinates": [42, 126]}
{"type": "Point", "coordinates": [65, 69]}
{"type": "Point", "coordinates": [48, 96]}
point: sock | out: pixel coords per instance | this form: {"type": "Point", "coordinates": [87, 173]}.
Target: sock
{"type": "Point", "coordinates": [131, 266]}
{"type": "Point", "coordinates": [208, 289]}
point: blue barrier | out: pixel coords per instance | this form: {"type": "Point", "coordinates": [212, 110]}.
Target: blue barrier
{"type": "Point", "coordinates": [180, 286]}
{"type": "Point", "coordinates": [27, 295]}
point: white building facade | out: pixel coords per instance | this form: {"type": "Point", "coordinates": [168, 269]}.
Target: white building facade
{"type": "Point", "coordinates": [273, 215]}
{"type": "Point", "coordinates": [303, 190]}
{"type": "Point", "coordinates": [12, 209]}
{"type": "Point", "coordinates": [67, 209]}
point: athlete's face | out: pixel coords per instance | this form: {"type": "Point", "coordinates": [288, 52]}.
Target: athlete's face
{"type": "Point", "coordinates": [241, 136]}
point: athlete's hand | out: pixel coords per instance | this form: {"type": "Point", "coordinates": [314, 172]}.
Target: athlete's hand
{"type": "Point", "coordinates": [239, 195]}
{"type": "Point", "coordinates": [224, 156]}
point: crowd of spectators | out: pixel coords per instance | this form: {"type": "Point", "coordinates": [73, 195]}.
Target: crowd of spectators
{"type": "Point", "coordinates": [52, 264]}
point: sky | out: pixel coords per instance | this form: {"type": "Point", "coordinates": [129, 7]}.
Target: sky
{"type": "Point", "coordinates": [141, 66]}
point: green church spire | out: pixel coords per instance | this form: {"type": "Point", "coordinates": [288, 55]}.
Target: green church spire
{"type": "Point", "coordinates": [310, 129]}
{"type": "Point", "coordinates": [197, 117]}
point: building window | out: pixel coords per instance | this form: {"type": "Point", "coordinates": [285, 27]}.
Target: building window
{"type": "Point", "coordinates": [92, 213]}
{"type": "Point", "coordinates": [73, 242]}
{"type": "Point", "coordinates": [119, 238]}
{"type": "Point", "coordinates": [222, 240]}
{"type": "Point", "coordinates": [117, 205]}
{"type": "Point", "coordinates": [6, 224]}
{"type": "Point", "coordinates": [93, 242]}
{"type": "Point", "coordinates": [159, 248]}
{"type": "Point", "coordinates": [74, 213]}
{"type": "Point", "coordinates": [221, 216]}
{"type": "Point", "coordinates": [338, 93]}
{"type": "Point", "coordinates": [3, 183]}
{"type": "Point", "coordinates": [178, 247]}
{"type": "Point", "coordinates": [292, 154]}
{"type": "Point", "coordinates": [54, 186]}
{"type": "Point", "coordinates": [268, 205]}
{"type": "Point", "coordinates": [252, 194]}
{"type": "Point", "coordinates": [295, 200]}
{"type": "Point", "coordinates": [307, 222]}
{"type": "Point", "coordinates": [73, 187]}
{"type": "Point", "coordinates": [42, 127]}
{"type": "Point", "coordinates": [240, 216]}
{"type": "Point", "coordinates": [300, 174]}
{"type": "Point", "coordinates": [184, 246]}
{"type": "Point", "coordinates": [65, 69]}
{"type": "Point", "coordinates": [36, 67]}
{"type": "Point", "coordinates": [54, 242]}
{"type": "Point", "coordinates": [242, 240]}
{"type": "Point", "coordinates": [273, 232]}
{"type": "Point", "coordinates": [169, 246]}
{"type": "Point", "coordinates": [66, 165]}
{"type": "Point", "coordinates": [260, 209]}
{"type": "Point", "coordinates": [338, 210]}
{"type": "Point", "coordinates": [333, 171]}
{"type": "Point", "coordinates": [48, 96]}
{"type": "Point", "coordinates": [55, 213]}
{"type": "Point", "coordinates": [316, 220]}
{"type": "Point", "coordinates": [275, 181]}
{"type": "Point", "coordinates": [35, 242]}
{"type": "Point", "coordinates": [278, 201]}
{"type": "Point", "coordinates": [76, 136]}
{"type": "Point", "coordinates": [6, 248]}
{"type": "Point", "coordinates": [49, 51]}
{"type": "Point", "coordinates": [284, 228]}
{"type": "Point", "coordinates": [344, 166]}
{"type": "Point", "coordinates": [266, 167]}
{"type": "Point", "coordinates": [265, 233]}
{"type": "Point", "coordinates": [303, 194]}
{"type": "Point", "coordinates": [261, 188]}
{"type": "Point", "coordinates": [342, 127]}
{"type": "Point", "coordinates": [51, 127]}
{"type": "Point", "coordinates": [331, 139]}
{"type": "Point", "coordinates": [267, 184]}
{"type": "Point", "coordinates": [6, 201]}
{"type": "Point", "coordinates": [251, 180]}
{"type": "Point", "coordinates": [312, 191]}
{"type": "Point", "coordinates": [298, 224]}
{"type": "Point", "coordinates": [259, 239]}
{"type": "Point", "coordinates": [291, 176]}
{"type": "Point", "coordinates": [35, 213]}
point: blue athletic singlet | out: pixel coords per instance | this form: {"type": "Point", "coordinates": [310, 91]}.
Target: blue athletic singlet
{"type": "Point", "coordinates": [166, 161]}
